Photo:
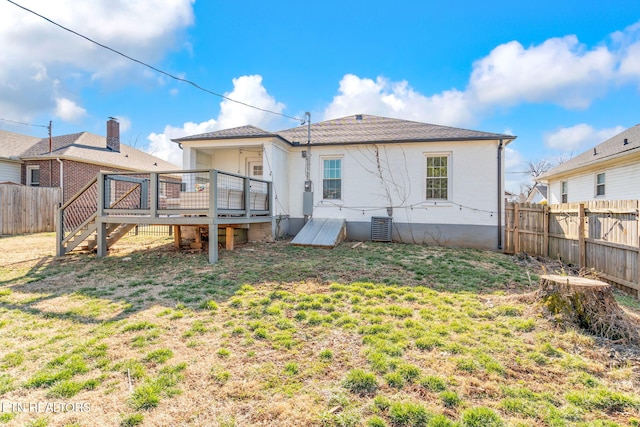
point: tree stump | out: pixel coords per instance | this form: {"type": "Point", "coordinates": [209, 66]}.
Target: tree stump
{"type": "Point", "coordinates": [588, 304]}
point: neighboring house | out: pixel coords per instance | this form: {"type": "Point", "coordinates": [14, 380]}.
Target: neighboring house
{"type": "Point", "coordinates": [71, 161]}
{"type": "Point", "coordinates": [11, 146]}
{"type": "Point", "coordinates": [538, 194]}
{"type": "Point", "coordinates": [511, 197]}
{"type": "Point", "coordinates": [440, 184]}
{"type": "Point", "coordinates": [609, 171]}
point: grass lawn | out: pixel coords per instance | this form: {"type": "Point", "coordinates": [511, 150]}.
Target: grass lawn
{"type": "Point", "coordinates": [276, 335]}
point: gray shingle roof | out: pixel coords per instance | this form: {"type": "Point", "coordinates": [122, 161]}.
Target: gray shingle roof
{"type": "Point", "coordinates": [92, 148]}
{"type": "Point", "coordinates": [356, 129]}
{"type": "Point", "coordinates": [611, 148]}
{"type": "Point", "coordinates": [238, 132]}
{"type": "Point", "coordinates": [364, 128]}
{"type": "Point", "coordinates": [14, 144]}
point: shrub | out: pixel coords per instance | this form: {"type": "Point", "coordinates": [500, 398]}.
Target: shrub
{"type": "Point", "coordinates": [450, 399]}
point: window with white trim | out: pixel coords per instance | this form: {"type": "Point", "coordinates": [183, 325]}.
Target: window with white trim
{"type": "Point", "coordinates": [437, 177]}
{"type": "Point", "coordinates": [600, 178]}
{"type": "Point", "coordinates": [33, 176]}
{"type": "Point", "coordinates": [564, 186]}
{"type": "Point", "coordinates": [332, 179]}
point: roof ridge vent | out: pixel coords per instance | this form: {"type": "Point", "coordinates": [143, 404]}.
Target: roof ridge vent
{"type": "Point", "coordinates": [359, 117]}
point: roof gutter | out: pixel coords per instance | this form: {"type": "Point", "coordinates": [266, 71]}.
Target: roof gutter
{"type": "Point", "coordinates": [400, 141]}
{"type": "Point", "coordinates": [500, 195]}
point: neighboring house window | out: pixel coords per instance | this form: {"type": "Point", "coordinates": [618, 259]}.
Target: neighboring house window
{"type": "Point", "coordinates": [33, 176]}
{"type": "Point", "coordinates": [600, 184]}
{"type": "Point", "coordinates": [332, 179]}
{"type": "Point", "coordinates": [563, 192]}
{"type": "Point", "coordinates": [437, 178]}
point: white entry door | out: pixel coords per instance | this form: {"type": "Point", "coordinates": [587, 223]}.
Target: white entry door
{"type": "Point", "coordinates": [255, 169]}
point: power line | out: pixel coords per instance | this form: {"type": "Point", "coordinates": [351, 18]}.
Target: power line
{"type": "Point", "coordinates": [22, 123]}
{"type": "Point", "coordinates": [192, 83]}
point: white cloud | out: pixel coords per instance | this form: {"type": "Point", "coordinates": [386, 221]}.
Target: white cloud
{"type": "Point", "coordinates": [383, 97]}
{"type": "Point", "coordinates": [39, 59]}
{"type": "Point", "coordinates": [247, 89]}
{"type": "Point", "coordinates": [630, 64]}
{"type": "Point", "coordinates": [125, 123]}
{"type": "Point", "coordinates": [560, 71]}
{"type": "Point", "coordinates": [575, 139]}
{"type": "Point", "coordinates": [68, 110]}
{"type": "Point", "coordinates": [161, 145]}
{"type": "Point", "coordinates": [515, 165]}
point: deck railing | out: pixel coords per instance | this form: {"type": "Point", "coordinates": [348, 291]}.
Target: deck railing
{"type": "Point", "coordinates": [78, 209]}
{"type": "Point", "coordinates": [195, 192]}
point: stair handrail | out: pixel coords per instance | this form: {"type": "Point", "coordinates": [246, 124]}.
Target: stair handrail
{"type": "Point", "coordinates": [78, 194]}
{"type": "Point", "coordinates": [84, 224]}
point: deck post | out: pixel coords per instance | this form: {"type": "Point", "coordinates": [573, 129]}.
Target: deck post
{"type": "Point", "coordinates": [153, 177]}
{"type": "Point", "coordinates": [100, 191]}
{"type": "Point", "coordinates": [270, 193]}
{"type": "Point", "coordinates": [247, 196]}
{"type": "Point", "coordinates": [213, 216]}
{"type": "Point", "coordinates": [102, 238]}
{"type": "Point", "coordinates": [59, 232]}
{"type": "Point", "coordinates": [213, 243]}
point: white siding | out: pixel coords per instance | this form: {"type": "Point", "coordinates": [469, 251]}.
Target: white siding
{"type": "Point", "coordinates": [276, 167]}
{"type": "Point", "coordinates": [9, 171]}
{"type": "Point", "coordinates": [621, 183]}
{"type": "Point", "coordinates": [472, 184]}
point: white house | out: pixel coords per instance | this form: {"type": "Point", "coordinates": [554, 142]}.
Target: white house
{"type": "Point", "coordinates": [11, 147]}
{"type": "Point", "coordinates": [440, 185]}
{"type": "Point", "coordinates": [609, 171]}
{"type": "Point", "coordinates": [538, 194]}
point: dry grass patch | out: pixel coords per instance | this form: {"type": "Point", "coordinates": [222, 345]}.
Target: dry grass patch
{"type": "Point", "coordinates": [274, 334]}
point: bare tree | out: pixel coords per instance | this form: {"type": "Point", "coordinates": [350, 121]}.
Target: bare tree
{"type": "Point", "coordinates": [535, 168]}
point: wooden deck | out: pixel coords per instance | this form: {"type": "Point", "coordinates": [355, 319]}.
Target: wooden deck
{"type": "Point", "coordinates": [115, 202]}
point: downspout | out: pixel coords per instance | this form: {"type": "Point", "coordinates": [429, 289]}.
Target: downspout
{"type": "Point", "coordinates": [500, 194]}
{"type": "Point", "coordinates": [61, 177]}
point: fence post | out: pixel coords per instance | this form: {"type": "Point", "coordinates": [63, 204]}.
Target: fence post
{"type": "Point", "coordinates": [638, 247]}
{"type": "Point", "coordinates": [581, 236]}
{"type": "Point", "coordinates": [545, 227]}
{"type": "Point", "coordinates": [516, 227]}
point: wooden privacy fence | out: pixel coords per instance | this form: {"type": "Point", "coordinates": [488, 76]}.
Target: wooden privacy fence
{"type": "Point", "coordinates": [28, 209]}
{"type": "Point", "coordinates": [600, 235]}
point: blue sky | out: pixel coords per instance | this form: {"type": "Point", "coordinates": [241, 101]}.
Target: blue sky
{"type": "Point", "coordinates": [562, 75]}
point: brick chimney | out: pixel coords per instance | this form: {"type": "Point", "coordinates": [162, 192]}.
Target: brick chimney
{"type": "Point", "coordinates": [113, 134]}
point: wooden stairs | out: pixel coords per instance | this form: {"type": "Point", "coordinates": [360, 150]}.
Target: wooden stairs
{"type": "Point", "coordinates": [82, 209]}
{"type": "Point", "coordinates": [87, 233]}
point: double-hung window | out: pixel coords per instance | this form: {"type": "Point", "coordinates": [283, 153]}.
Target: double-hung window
{"type": "Point", "coordinates": [564, 187]}
{"type": "Point", "coordinates": [332, 179]}
{"type": "Point", "coordinates": [33, 176]}
{"type": "Point", "coordinates": [437, 177]}
{"type": "Point", "coordinates": [600, 184]}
